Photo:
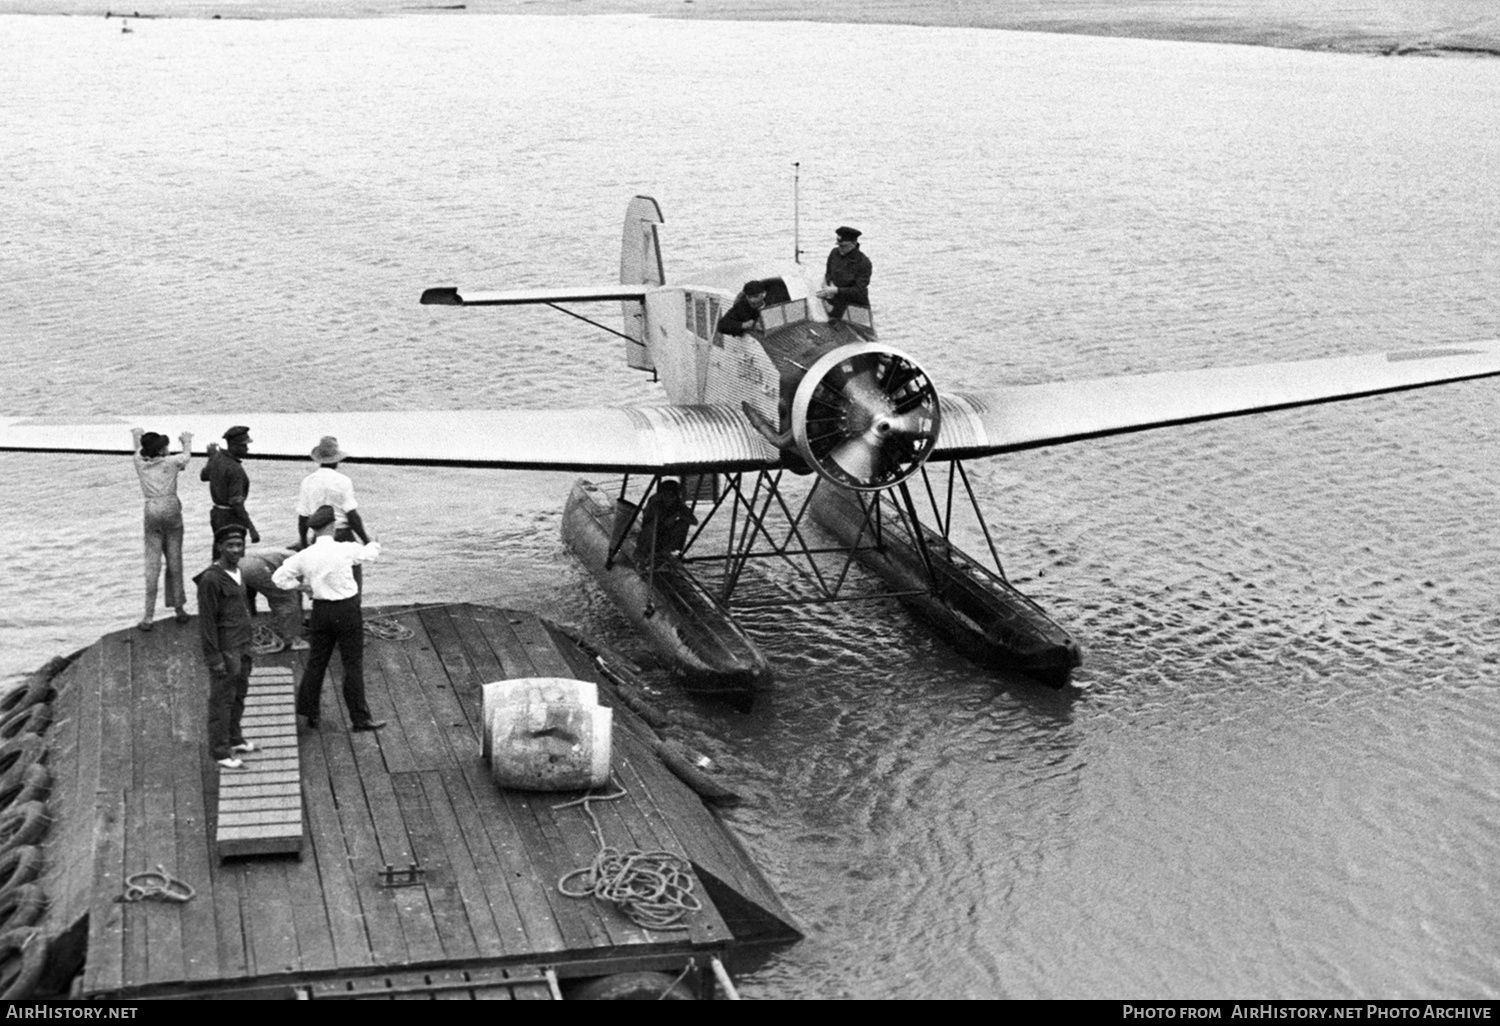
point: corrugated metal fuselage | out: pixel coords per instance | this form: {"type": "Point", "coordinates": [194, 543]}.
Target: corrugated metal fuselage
{"type": "Point", "coordinates": [697, 365]}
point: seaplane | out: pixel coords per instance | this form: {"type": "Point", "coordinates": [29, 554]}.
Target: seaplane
{"type": "Point", "coordinates": [801, 439]}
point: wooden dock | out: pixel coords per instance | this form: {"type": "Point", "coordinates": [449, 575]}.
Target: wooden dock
{"type": "Point", "coordinates": [417, 876]}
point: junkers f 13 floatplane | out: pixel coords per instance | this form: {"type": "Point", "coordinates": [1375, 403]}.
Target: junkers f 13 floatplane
{"type": "Point", "coordinates": [797, 393]}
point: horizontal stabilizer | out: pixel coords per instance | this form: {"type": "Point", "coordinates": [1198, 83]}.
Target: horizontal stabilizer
{"type": "Point", "coordinates": [453, 296]}
{"type": "Point", "coordinates": [1031, 416]}
{"type": "Point", "coordinates": [668, 439]}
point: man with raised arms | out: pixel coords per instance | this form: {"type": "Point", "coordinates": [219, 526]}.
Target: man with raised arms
{"type": "Point", "coordinates": [228, 484]}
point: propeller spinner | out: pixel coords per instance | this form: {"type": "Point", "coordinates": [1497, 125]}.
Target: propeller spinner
{"type": "Point", "coordinates": [865, 417]}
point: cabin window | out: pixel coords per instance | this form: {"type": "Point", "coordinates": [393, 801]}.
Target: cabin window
{"type": "Point", "coordinates": [687, 307]}
{"type": "Point", "coordinates": [713, 317]}
{"type": "Point", "coordinates": [701, 306]}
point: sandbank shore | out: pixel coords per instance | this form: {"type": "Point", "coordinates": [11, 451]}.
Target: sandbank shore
{"type": "Point", "coordinates": [1394, 27]}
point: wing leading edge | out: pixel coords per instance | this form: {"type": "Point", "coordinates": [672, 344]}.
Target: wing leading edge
{"type": "Point", "coordinates": [669, 439]}
{"type": "Point", "coordinates": [677, 439]}
{"type": "Point", "coordinates": [1032, 416]}
{"type": "Point", "coordinates": [456, 296]}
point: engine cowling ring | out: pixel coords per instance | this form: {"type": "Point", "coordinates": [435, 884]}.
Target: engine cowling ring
{"type": "Point", "coordinates": [865, 416]}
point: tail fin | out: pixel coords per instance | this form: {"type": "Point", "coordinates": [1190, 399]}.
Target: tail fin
{"type": "Point", "coordinates": [640, 263]}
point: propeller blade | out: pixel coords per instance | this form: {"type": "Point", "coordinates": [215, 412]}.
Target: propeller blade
{"type": "Point", "coordinates": [863, 391]}
{"type": "Point", "coordinates": [862, 458]}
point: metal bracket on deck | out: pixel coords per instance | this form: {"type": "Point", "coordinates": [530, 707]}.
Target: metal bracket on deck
{"type": "Point", "coordinates": [412, 876]}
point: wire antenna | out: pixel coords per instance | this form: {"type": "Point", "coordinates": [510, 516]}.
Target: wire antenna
{"type": "Point", "coordinates": [797, 211]}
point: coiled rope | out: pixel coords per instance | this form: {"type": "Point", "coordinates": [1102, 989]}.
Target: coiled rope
{"type": "Point", "coordinates": [387, 629]}
{"type": "Point", "coordinates": [160, 884]}
{"type": "Point", "coordinates": [653, 888]}
{"type": "Point", "coordinates": [264, 641]}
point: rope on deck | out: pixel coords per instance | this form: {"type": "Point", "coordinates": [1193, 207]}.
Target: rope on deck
{"type": "Point", "coordinates": [387, 629]}
{"type": "Point", "coordinates": [265, 641]}
{"type": "Point", "coordinates": [159, 884]}
{"type": "Point", "coordinates": [653, 888]}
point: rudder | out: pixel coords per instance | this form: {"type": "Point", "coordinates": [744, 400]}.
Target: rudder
{"type": "Point", "coordinates": [640, 263]}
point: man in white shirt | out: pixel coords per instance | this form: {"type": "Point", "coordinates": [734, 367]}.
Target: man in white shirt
{"type": "Point", "coordinates": [326, 568]}
{"type": "Point", "coordinates": [326, 486]}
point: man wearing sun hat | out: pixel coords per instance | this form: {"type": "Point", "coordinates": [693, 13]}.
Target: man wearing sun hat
{"type": "Point", "coordinates": [326, 486]}
{"type": "Point", "coordinates": [846, 279]}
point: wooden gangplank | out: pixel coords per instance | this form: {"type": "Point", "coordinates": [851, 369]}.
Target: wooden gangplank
{"type": "Point", "coordinates": [260, 804]}
{"type": "Point", "coordinates": [135, 789]}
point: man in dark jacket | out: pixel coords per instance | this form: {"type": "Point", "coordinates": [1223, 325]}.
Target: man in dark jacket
{"type": "Point", "coordinates": [665, 522]}
{"type": "Point", "coordinates": [228, 484]}
{"type": "Point", "coordinates": [225, 631]}
{"type": "Point", "coordinates": [741, 317]}
{"type": "Point", "coordinates": [847, 277]}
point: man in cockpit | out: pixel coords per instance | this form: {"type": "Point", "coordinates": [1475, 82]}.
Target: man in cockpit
{"type": "Point", "coordinates": [846, 279]}
{"type": "Point", "coordinates": [741, 317]}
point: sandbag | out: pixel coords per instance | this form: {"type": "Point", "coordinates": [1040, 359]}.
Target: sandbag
{"type": "Point", "coordinates": [561, 690]}
{"type": "Point", "coordinates": [537, 745]}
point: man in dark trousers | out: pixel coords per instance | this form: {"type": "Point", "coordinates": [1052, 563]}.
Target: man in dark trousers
{"type": "Point", "coordinates": [326, 568]}
{"type": "Point", "coordinates": [225, 631]}
{"type": "Point", "coordinates": [846, 279]}
{"type": "Point", "coordinates": [228, 484]}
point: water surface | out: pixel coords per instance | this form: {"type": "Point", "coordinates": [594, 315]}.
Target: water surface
{"type": "Point", "coordinates": [1280, 775]}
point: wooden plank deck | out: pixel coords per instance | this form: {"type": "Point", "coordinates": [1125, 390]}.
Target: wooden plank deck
{"type": "Point", "coordinates": [135, 789]}
{"type": "Point", "coordinates": [260, 805]}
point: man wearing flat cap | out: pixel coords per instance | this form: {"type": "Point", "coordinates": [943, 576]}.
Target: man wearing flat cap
{"type": "Point", "coordinates": [326, 568]}
{"type": "Point", "coordinates": [741, 317]}
{"type": "Point", "coordinates": [846, 279]}
{"type": "Point", "coordinates": [225, 632]}
{"type": "Point", "coordinates": [228, 484]}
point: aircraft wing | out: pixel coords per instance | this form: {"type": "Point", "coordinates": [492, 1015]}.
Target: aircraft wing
{"type": "Point", "coordinates": [671, 439]}
{"type": "Point", "coordinates": [1032, 416]}
{"type": "Point", "coordinates": [456, 296]}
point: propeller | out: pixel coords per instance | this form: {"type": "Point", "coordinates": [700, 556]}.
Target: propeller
{"type": "Point", "coordinates": [865, 417]}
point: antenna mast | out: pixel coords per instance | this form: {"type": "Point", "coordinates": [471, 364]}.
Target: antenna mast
{"type": "Point", "coordinates": [797, 211]}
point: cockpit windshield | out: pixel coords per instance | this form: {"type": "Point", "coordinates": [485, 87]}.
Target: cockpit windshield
{"type": "Point", "coordinates": [782, 314]}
